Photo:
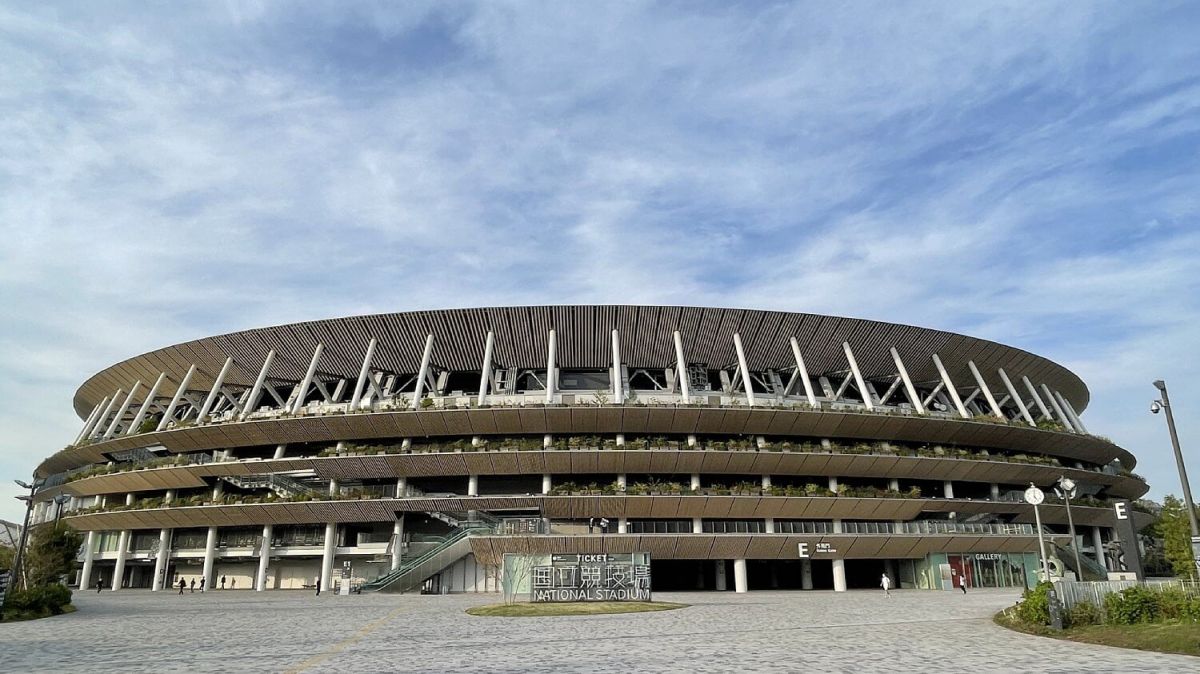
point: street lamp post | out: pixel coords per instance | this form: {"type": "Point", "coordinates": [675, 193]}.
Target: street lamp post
{"type": "Point", "coordinates": [17, 574]}
{"type": "Point", "coordinates": [58, 504]}
{"type": "Point", "coordinates": [1035, 497]}
{"type": "Point", "coordinates": [1164, 403]}
{"type": "Point", "coordinates": [1066, 489]}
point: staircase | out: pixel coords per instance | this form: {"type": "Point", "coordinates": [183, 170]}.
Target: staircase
{"type": "Point", "coordinates": [413, 572]}
{"type": "Point", "coordinates": [282, 485]}
{"type": "Point", "coordinates": [1092, 570]}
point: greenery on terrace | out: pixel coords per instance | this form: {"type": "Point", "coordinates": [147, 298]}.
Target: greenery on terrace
{"type": "Point", "coordinates": [656, 488]}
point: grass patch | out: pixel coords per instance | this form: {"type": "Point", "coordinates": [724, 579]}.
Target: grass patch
{"type": "Point", "coordinates": [525, 609]}
{"type": "Point", "coordinates": [1159, 637]}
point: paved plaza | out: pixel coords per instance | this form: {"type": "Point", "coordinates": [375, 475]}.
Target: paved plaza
{"type": "Point", "coordinates": [136, 631]}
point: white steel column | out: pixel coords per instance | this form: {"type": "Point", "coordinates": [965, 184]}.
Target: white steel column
{"type": "Point", "coordinates": [398, 542]}
{"type": "Point", "coordinates": [958, 403]}
{"type": "Point", "coordinates": [547, 483]}
{"type": "Point", "coordinates": [327, 556]}
{"type": "Point", "coordinates": [802, 373]}
{"type": "Point", "coordinates": [1037, 399]}
{"type": "Point", "coordinates": [486, 377]}
{"type": "Point", "coordinates": [618, 385]}
{"type": "Point", "coordinates": [160, 561]}
{"type": "Point", "coordinates": [89, 556]}
{"type": "Point", "coordinates": [214, 392]}
{"type": "Point", "coordinates": [987, 392]}
{"type": "Point", "coordinates": [909, 388]}
{"type": "Point", "coordinates": [112, 428]}
{"type": "Point", "coordinates": [264, 558]}
{"type": "Point", "coordinates": [102, 422]}
{"type": "Point", "coordinates": [858, 378]}
{"type": "Point", "coordinates": [423, 372]}
{"type": "Point", "coordinates": [298, 404]}
{"type": "Point", "coordinates": [179, 391]}
{"type": "Point", "coordinates": [363, 373]}
{"type": "Point", "coordinates": [1016, 397]}
{"type": "Point", "coordinates": [551, 375]}
{"type": "Point", "coordinates": [146, 403]}
{"type": "Point", "coordinates": [280, 451]}
{"type": "Point", "coordinates": [87, 424]}
{"type": "Point", "coordinates": [741, 356]}
{"type": "Point", "coordinates": [1071, 410]}
{"type": "Point", "coordinates": [210, 555]}
{"type": "Point", "coordinates": [681, 365]}
{"type": "Point", "coordinates": [739, 576]}
{"type": "Point", "coordinates": [122, 556]}
{"type": "Point", "coordinates": [256, 390]}
{"type": "Point", "coordinates": [839, 575]}
{"type": "Point", "coordinates": [95, 423]}
{"type": "Point", "coordinates": [1058, 410]}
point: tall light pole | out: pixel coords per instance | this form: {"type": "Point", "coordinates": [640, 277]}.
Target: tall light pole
{"type": "Point", "coordinates": [58, 504]}
{"type": "Point", "coordinates": [1066, 489]}
{"type": "Point", "coordinates": [17, 574]}
{"type": "Point", "coordinates": [1035, 497]}
{"type": "Point", "coordinates": [1164, 403]}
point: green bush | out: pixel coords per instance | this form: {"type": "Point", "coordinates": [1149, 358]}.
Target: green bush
{"type": "Point", "coordinates": [1133, 605]}
{"type": "Point", "coordinates": [1083, 613]}
{"type": "Point", "coordinates": [39, 601]}
{"type": "Point", "coordinates": [1034, 608]}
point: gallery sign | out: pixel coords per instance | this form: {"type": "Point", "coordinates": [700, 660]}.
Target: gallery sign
{"type": "Point", "coordinates": [592, 577]}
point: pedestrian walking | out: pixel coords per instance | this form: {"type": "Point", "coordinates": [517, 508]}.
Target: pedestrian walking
{"type": "Point", "coordinates": [99, 584]}
{"type": "Point", "coordinates": [886, 584]}
{"type": "Point", "coordinates": [591, 524]}
{"type": "Point", "coordinates": [318, 587]}
{"type": "Point", "coordinates": [182, 585]}
{"type": "Point", "coordinates": [202, 585]}
{"type": "Point", "coordinates": [222, 582]}
{"type": "Point", "coordinates": [193, 586]}
{"type": "Point", "coordinates": [962, 582]}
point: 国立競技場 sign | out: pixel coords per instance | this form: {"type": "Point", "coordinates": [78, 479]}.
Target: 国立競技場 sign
{"type": "Point", "coordinates": [592, 577]}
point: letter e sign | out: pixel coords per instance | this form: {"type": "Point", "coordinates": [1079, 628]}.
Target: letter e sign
{"type": "Point", "coordinates": [802, 548]}
{"type": "Point", "coordinates": [1120, 508]}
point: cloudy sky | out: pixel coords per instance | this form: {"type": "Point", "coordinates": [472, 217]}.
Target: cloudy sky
{"type": "Point", "coordinates": [1025, 172]}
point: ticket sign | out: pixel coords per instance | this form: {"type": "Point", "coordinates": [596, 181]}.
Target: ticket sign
{"type": "Point", "coordinates": [592, 577]}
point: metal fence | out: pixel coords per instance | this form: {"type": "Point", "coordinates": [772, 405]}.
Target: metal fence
{"type": "Point", "coordinates": [1074, 593]}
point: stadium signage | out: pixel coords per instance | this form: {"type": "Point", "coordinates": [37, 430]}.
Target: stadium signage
{"type": "Point", "coordinates": [592, 577]}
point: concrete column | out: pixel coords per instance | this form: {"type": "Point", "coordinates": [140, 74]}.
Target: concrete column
{"type": "Point", "coordinates": [894, 484]}
{"type": "Point", "coordinates": [620, 439]}
{"type": "Point", "coordinates": [551, 369]}
{"type": "Point", "coordinates": [122, 556]}
{"type": "Point", "coordinates": [264, 558]}
{"type": "Point", "coordinates": [739, 576]}
{"type": "Point", "coordinates": [160, 562]}
{"type": "Point", "coordinates": [833, 484]}
{"type": "Point", "coordinates": [401, 487]}
{"type": "Point", "coordinates": [280, 450]}
{"type": "Point", "coordinates": [89, 555]}
{"type": "Point", "coordinates": [948, 489]}
{"type": "Point", "coordinates": [398, 540]}
{"type": "Point", "coordinates": [485, 377]}
{"type": "Point", "coordinates": [837, 526]}
{"type": "Point", "coordinates": [146, 403]}
{"type": "Point", "coordinates": [621, 482]}
{"type": "Point", "coordinates": [210, 555]}
{"type": "Point", "coordinates": [695, 481]}
{"type": "Point", "coordinates": [422, 373]}
{"type": "Point", "coordinates": [129, 499]}
{"type": "Point", "coordinates": [697, 525]}
{"type": "Point", "coordinates": [766, 482]}
{"type": "Point", "coordinates": [334, 488]}
{"type": "Point", "coordinates": [770, 527]}
{"type": "Point", "coordinates": [547, 441]}
{"type": "Point", "coordinates": [1098, 544]}
{"type": "Point", "coordinates": [889, 567]}
{"type": "Point", "coordinates": [618, 388]}
{"type": "Point", "coordinates": [839, 575]}
{"type": "Point", "coordinates": [691, 440]}
{"type": "Point", "coordinates": [302, 389]}
{"type": "Point", "coordinates": [622, 525]}
{"type": "Point", "coordinates": [327, 556]}
{"type": "Point", "coordinates": [218, 489]}
{"type": "Point", "coordinates": [995, 492]}
{"type": "Point", "coordinates": [745, 369]}
{"type": "Point", "coordinates": [721, 586]}
{"type": "Point", "coordinates": [806, 574]}
{"type": "Point", "coordinates": [472, 485]}
{"type": "Point", "coordinates": [547, 483]}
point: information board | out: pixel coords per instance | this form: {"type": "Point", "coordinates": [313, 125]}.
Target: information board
{"type": "Point", "coordinates": [592, 577]}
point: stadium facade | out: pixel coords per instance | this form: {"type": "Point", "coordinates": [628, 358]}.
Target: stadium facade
{"type": "Point", "coordinates": [741, 449]}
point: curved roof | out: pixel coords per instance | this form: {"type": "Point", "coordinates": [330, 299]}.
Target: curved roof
{"type": "Point", "coordinates": [583, 337]}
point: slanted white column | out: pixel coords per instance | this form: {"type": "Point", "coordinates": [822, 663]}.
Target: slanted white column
{"type": "Point", "coordinates": [264, 558]}
{"type": "Point", "coordinates": [280, 450]}
{"type": "Point", "coordinates": [210, 555]}
{"type": "Point", "coordinates": [802, 373]}
{"type": "Point", "coordinates": [551, 369]}
{"type": "Point", "coordinates": [739, 576]}
{"type": "Point", "coordinates": [302, 389]}
{"type": "Point", "coordinates": [547, 483]}
{"type": "Point", "coordinates": [472, 485]}
{"type": "Point", "coordinates": [398, 542]}
{"type": "Point", "coordinates": [1071, 410]}
{"type": "Point", "coordinates": [1016, 397]}
{"type": "Point", "coordinates": [214, 391]}
{"type": "Point", "coordinates": [1098, 545]}
{"type": "Point", "coordinates": [160, 561]}
{"type": "Point", "coordinates": [858, 378]}
{"type": "Point", "coordinates": [485, 379]}
{"type": "Point", "coordinates": [987, 392]}
{"type": "Point", "coordinates": [146, 403]}
{"type": "Point", "coordinates": [909, 388]}
{"type": "Point", "coordinates": [122, 556]}
{"type": "Point", "coordinates": [741, 356]}
{"type": "Point", "coordinates": [839, 575]}
{"type": "Point", "coordinates": [1058, 410]}
{"type": "Point", "coordinates": [363, 373]}
{"type": "Point", "coordinates": [256, 390]}
{"type": "Point", "coordinates": [423, 372]}
{"type": "Point", "coordinates": [87, 423]}
{"type": "Point", "coordinates": [806, 574]}
{"type": "Point", "coordinates": [327, 556]}
{"type": "Point", "coordinates": [102, 422]}
{"type": "Point", "coordinates": [89, 556]}
{"type": "Point", "coordinates": [98, 419]}
{"type": "Point", "coordinates": [617, 385]}
{"type": "Point", "coordinates": [169, 413]}
{"type": "Point", "coordinates": [1037, 399]}
{"type": "Point", "coordinates": [950, 389]}
{"type": "Point", "coordinates": [112, 428]}
{"type": "Point", "coordinates": [682, 372]}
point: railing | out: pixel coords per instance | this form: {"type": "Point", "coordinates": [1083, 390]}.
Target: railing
{"type": "Point", "coordinates": [413, 572]}
{"type": "Point", "coordinates": [1091, 571]}
{"type": "Point", "coordinates": [1073, 594]}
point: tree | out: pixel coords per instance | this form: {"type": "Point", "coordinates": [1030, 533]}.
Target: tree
{"type": "Point", "coordinates": [6, 557]}
{"type": "Point", "coordinates": [51, 554]}
{"type": "Point", "coordinates": [1176, 533]}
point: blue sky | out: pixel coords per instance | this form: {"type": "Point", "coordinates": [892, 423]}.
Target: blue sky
{"type": "Point", "coordinates": [1023, 172]}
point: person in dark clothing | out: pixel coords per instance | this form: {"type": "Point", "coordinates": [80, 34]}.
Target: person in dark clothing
{"type": "Point", "coordinates": [318, 587]}
{"type": "Point", "coordinates": [182, 585]}
{"type": "Point", "coordinates": [193, 586]}
{"type": "Point", "coordinates": [99, 584]}
{"type": "Point", "coordinates": [202, 584]}
{"type": "Point", "coordinates": [222, 582]}
{"type": "Point", "coordinates": [591, 524]}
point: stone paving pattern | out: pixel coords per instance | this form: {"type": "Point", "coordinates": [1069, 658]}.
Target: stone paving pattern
{"type": "Point", "coordinates": [140, 631]}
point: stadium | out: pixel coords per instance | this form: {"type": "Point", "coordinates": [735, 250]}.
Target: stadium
{"type": "Point", "coordinates": [739, 449]}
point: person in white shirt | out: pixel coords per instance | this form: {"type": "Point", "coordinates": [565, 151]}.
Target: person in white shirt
{"type": "Point", "coordinates": [886, 584]}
